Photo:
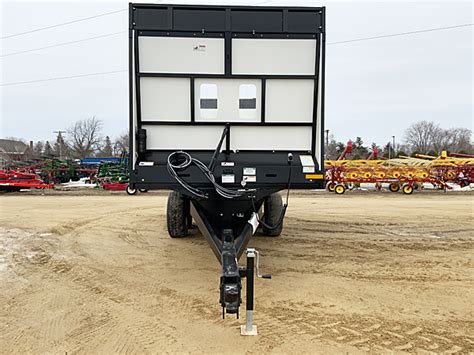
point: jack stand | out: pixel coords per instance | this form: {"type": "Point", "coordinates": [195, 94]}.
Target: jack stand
{"type": "Point", "coordinates": [249, 328]}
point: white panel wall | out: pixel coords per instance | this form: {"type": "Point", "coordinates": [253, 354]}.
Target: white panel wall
{"type": "Point", "coordinates": [270, 138]}
{"type": "Point", "coordinates": [228, 93]}
{"type": "Point", "coordinates": [181, 55]}
{"type": "Point", "coordinates": [183, 137]}
{"type": "Point", "coordinates": [273, 56]}
{"type": "Point", "coordinates": [165, 99]}
{"type": "Point", "coordinates": [242, 137]}
{"type": "Point", "coordinates": [289, 100]}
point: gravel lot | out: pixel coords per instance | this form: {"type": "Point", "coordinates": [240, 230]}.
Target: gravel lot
{"type": "Point", "coordinates": [95, 272]}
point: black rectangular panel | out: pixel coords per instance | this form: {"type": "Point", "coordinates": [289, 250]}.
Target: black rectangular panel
{"type": "Point", "coordinates": [247, 104]}
{"type": "Point", "coordinates": [151, 19]}
{"type": "Point", "coordinates": [265, 20]}
{"type": "Point", "coordinates": [258, 21]}
{"type": "Point", "coordinates": [197, 20]}
{"type": "Point", "coordinates": [304, 21]}
{"type": "Point", "coordinates": [208, 103]}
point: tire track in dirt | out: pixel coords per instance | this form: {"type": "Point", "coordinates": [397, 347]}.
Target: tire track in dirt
{"type": "Point", "coordinates": [125, 287]}
{"type": "Point", "coordinates": [139, 330]}
{"type": "Point", "coordinates": [363, 332]}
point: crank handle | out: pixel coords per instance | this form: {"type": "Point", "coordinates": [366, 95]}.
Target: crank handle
{"type": "Point", "coordinates": [257, 267]}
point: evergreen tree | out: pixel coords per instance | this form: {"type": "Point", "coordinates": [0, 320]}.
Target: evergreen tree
{"type": "Point", "coordinates": [385, 151]}
{"type": "Point", "coordinates": [60, 148]}
{"type": "Point", "coordinates": [38, 148]}
{"type": "Point", "coordinates": [359, 151]}
{"type": "Point", "coordinates": [107, 149]}
{"type": "Point", "coordinates": [48, 151]}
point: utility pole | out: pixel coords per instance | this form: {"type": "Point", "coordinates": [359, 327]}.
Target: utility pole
{"type": "Point", "coordinates": [394, 153]}
{"type": "Point", "coordinates": [60, 142]}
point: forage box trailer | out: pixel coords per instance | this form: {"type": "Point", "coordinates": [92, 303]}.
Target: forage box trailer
{"type": "Point", "coordinates": [226, 110]}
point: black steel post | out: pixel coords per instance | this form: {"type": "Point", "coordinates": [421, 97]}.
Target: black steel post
{"type": "Point", "coordinates": [249, 328]}
{"type": "Point", "coordinates": [250, 281]}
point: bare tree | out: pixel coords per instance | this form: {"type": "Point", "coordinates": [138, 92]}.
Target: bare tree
{"type": "Point", "coordinates": [419, 136]}
{"type": "Point", "coordinates": [334, 148]}
{"type": "Point", "coordinates": [121, 144]}
{"type": "Point", "coordinates": [461, 140]}
{"type": "Point", "coordinates": [453, 140]}
{"type": "Point", "coordinates": [442, 139]}
{"type": "Point", "coordinates": [106, 150]}
{"type": "Point", "coordinates": [84, 137]}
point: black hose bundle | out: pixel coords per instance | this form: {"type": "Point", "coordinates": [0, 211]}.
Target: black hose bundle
{"type": "Point", "coordinates": [181, 160]}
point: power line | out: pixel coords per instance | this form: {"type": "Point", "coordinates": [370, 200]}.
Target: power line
{"type": "Point", "coordinates": [64, 77]}
{"type": "Point", "coordinates": [62, 44]}
{"type": "Point", "coordinates": [401, 34]}
{"type": "Point", "coordinates": [121, 71]}
{"type": "Point", "coordinates": [63, 24]}
{"type": "Point", "coordinates": [329, 43]}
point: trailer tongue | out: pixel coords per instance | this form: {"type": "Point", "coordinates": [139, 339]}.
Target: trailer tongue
{"type": "Point", "coordinates": [226, 110]}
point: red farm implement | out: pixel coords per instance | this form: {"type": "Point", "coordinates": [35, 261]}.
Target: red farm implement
{"type": "Point", "coordinates": [12, 180]}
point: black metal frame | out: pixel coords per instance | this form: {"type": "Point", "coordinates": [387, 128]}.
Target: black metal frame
{"type": "Point", "coordinates": [227, 224]}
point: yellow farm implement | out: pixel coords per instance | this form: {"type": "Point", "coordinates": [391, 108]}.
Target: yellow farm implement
{"type": "Point", "coordinates": [405, 173]}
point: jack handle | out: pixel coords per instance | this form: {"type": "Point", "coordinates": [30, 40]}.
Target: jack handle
{"type": "Point", "coordinates": [257, 267]}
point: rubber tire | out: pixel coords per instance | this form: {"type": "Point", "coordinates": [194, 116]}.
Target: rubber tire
{"type": "Point", "coordinates": [407, 189]}
{"type": "Point", "coordinates": [130, 191]}
{"type": "Point", "coordinates": [330, 186]}
{"type": "Point", "coordinates": [143, 190]}
{"type": "Point", "coordinates": [394, 187]}
{"type": "Point", "coordinates": [340, 189]}
{"type": "Point", "coordinates": [177, 215]}
{"type": "Point", "coordinates": [272, 209]}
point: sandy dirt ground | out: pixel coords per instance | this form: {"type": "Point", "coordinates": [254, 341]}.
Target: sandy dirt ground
{"type": "Point", "coordinates": [367, 272]}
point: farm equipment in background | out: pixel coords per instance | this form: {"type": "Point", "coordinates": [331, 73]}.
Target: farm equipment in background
{"type": "Point", "coordinates": [113, 175]}
{"type": "Point", "coordinates": [55, 171]}
{"type": "Point", "coordinates": [11, 180]}
{"type": "Point", "coordinates": [109, 173]}
{"type": "Point", "coordinates": [405, 173]}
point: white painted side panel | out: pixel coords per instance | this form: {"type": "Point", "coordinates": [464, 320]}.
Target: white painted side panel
{"type": "Point", "coordinates": [183, 137]}
{"type": "Point", "coordinates": [242, 137]}
{"type": "Point", "coordinates": [289, 100]}
{"type": "Point", "coordinates": [181, 55]}
{"type": "Point", "coordinates": [270, 138]}
{"type": "Point", "coordinates": [273, 56]}
{"type": "Point", "coordinates": [228, 94]}
{"type": "Point", "coordinates": [165, 99]}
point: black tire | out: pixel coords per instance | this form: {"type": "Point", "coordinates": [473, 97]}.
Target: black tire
{"type": "Point", "coordinates": [177, 215]}
{"type": "Point", "coordinates": [143, 190]}
{"type": "Point", "coordinates": [272, 209]}
{"type": "Point", "coordinates": [394, 187]}
{"type": "Point", "coordinates": [130, 191]}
